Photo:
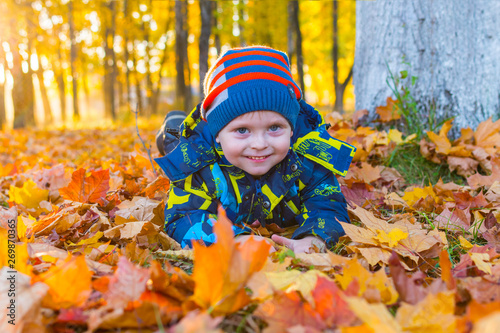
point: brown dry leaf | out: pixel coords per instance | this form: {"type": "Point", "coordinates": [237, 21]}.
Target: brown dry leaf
{"type": "Point", "coordinates": [464, 166]}
{"type": "Point", "coordinates": [487, 136]}
{"type": "Point", "coordinates": [389, 112]}
{"type": "Point", "coordinates": [27, 314]}
{"type": "Point", "coordinates": [456, 220]}
{"type": "Point", "coordinates": [419, 243]}
{"type": "Point", "coordinates": [139, 209]}
{"type": "Point", "coordinates": [478, 180]}
{"type": "Point", "coordinates": [126, 285]}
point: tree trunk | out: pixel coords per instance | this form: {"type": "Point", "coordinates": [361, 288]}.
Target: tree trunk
{"type": "Point", "coordinates": [126, 54]}
{"type": "Point", "coordinates": [138, 106]}
{"type": "Point", "coordinates": [241, 20]}
{"type": "Point", "coordinates": [298, 44]}
{"type": "Point", "coordinates": [73, 59]}
{"type": "Point", "coordinates": [183, 88]}
{"type": "Point", "coordinates": [339, 87]}
{"type": "Point", "coordinates": [59, 73]}
{"type": "Point", "coordinates": [206, 27]}
{"type": "Point", "coordinates": [290, 32]}
{"type": "Point", "coordinates": [47, 110]}
{"type": "Point", "coordinates": [149, 82]}
{"type": "Point", "coordinates": [156, 93]}
{"type": "Point", "coordinates": [451, 46]}
{"type": "Point", "coordinates": [109, 57]}
{"type": "Point", "coordinates": [22, 92]}
{"type": "Point", "coordinates": [215, 24]}
{"type": "Point", "coordinates": [3, 64]}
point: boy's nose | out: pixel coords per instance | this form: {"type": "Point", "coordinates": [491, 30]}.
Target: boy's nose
{"type": "Point", "coordinates": [259, 142]}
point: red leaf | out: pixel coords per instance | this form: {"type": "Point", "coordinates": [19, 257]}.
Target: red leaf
{"type": "Point", "coordinates": [90, 189]}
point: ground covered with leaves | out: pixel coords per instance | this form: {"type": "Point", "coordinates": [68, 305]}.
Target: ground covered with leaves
{"type": "Point", "coordinates": [86, 207]}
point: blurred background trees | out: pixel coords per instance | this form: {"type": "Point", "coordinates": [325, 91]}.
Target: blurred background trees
{"type": "Point", "coordinates": [86, 63]}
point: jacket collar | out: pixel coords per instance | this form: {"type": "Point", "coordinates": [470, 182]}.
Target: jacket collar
{"type": "Point", "coordinates": [197, 148]}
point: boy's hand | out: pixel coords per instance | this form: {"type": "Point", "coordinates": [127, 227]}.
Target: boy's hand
{"type": "Point", "coordinates": [304, 245]}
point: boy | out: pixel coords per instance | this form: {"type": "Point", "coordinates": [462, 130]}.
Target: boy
{"type": "Point", "coordinates": [255, 147]}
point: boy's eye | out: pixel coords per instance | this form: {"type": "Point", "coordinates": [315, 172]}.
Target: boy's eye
{"type": "Point", "coordinates": [274, 128]}
{"type": "Point", "coordinates": [241, 130]}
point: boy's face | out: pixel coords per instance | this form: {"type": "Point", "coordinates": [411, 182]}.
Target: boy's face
{"type": "Point", "coordinates": [256, 141]}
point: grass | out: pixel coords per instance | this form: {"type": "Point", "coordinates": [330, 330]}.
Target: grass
{"type": "Point", "coordinates": [417, 170]}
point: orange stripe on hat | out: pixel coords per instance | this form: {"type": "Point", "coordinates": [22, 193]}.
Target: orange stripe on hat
{"type": "Point", "coordinates": [247, 77]}
{"type": "Point", "coordinates": [248, 63]}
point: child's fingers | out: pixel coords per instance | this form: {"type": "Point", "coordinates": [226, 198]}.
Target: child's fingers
{"type": "Point", "coordinates": [282, 241]}
{"type": "Point", "coordinates": [255, 224]}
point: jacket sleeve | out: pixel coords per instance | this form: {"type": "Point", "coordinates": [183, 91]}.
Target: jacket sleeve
{"type": "Point", "coordinates": [322, 205]}
{"type": "Point", "coordinates": [191, 211]}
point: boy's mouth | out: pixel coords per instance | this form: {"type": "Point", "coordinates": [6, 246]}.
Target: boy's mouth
{"type": "Point", "coordinates": [258, 158]}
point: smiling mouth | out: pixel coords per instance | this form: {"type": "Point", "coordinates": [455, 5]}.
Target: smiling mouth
{"type": "Point", "coordinates": [258, 158]}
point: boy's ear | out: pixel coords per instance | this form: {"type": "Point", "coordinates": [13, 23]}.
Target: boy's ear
{"type": "Point", "coordinates": [217, 139]}
{"type": "Point", "coordinates": [291, 133]}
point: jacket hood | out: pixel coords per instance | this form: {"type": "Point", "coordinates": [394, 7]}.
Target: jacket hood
{"type": "Point", "coordinates": [197, 147]}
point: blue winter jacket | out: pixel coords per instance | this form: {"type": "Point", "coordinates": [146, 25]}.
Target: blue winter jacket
{"type": "Point", "coordinates": [302, 190]}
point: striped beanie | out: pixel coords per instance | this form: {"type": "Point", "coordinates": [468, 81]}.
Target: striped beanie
{"type": "Point", "coordinates": [249, 79]}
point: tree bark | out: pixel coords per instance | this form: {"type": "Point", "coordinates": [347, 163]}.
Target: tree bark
{"type": "Point", "coordinates": [109, 58]}
{"type": "Point", "coordinates": [3, 64]}
{"type": "Point", "coordinates": [73, 59]}
{"type": "Point", "coordinates": [47, 110]}
{"type": "Point", "coordinates": [215, 24]}
{"type": "Point", "coordinates": [452, 47]}
{"type": "Point", "coordinates": [59, 73]}
{"type": "Point", "coordinates": [206, 28]}
{"type": "Point", "coordinates": [290, 32]}
{"type": "Point", "coordinates": [126, 54]}
{"type": "Point", "coordinates": [183, 88]}
{"type": "Point", "coordinates": [298, 43]}
{"type": "Point", "coordinates": [163, 61]}
{"type": "Point", "coordinates": [339, 87]}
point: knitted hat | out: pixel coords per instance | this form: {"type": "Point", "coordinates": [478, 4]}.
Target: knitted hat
{"type": "Point", "coordinates": [249, 79]}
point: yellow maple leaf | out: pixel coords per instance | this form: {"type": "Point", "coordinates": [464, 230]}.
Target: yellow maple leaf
{"type": "Point", "coordinates": [392, 238]}
{"type": "Point", "coordinates": [482, 261]}
{"type": "Point", "coordinates": [368, 281]}
{"type": "Point", "coordinates": [395, 136]}
{"type": "Point", "coordinates": [465, 243]}
{"type": "Point", "coordinates": [433, 314]}
{"type": "Point", "coordinates": [30, 195]}
{"type": "Point", "coordinates": [412, 196]}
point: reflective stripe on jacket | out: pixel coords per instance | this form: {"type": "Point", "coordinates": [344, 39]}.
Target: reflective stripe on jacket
{"type": "Point", "coordinates": [302, 190]}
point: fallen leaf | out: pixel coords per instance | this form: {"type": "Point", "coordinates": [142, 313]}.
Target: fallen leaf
{"type": "Point", "coordinates": [435, 313]}
{"type": "Point", "coordinates": [91, 189]}
{"type": "Point", "coordinates": [225, 291]}
{"type": "Point", "coordinates": [69, 282]}
{"type": "Point", "coordinates": [389, 112]}
{"type": "Point", "coordinates": [29, 195]}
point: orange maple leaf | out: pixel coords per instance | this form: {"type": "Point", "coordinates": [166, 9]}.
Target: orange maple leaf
{"type": "Point", "coordinates": [70, 283]}
{"type": "Point", "coordinates": [222, 270]}
{"type": "Point", "coordinates": [388, 112]}
{"type": "Point", "coordinates": [90, 189]}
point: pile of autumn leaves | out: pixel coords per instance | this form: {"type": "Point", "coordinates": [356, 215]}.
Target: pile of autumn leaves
{"type": "Point", "coordinates": [91, 253]}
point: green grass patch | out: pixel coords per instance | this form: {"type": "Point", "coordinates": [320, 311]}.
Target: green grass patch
{"type": "Point", "coordinates": [417, 170]}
